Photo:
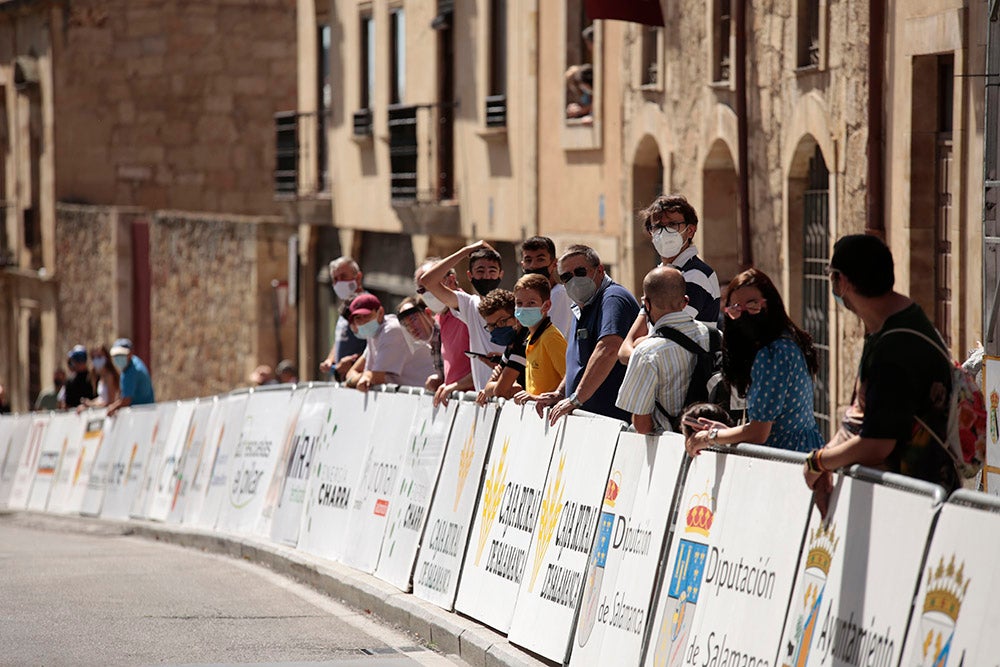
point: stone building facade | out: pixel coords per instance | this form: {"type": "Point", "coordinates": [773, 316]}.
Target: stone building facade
{"type": "Point", "coordinates": [138, 160]}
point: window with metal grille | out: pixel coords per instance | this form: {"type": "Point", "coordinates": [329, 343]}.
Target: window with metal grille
{"type": "Point", "coordinates": [286, 169]}
{"type": "Point", "coordinates": [815, 285]}
{"type": "Point", "coordinates": [325, 99]}
{"type": "Point", "coordinates": [403, 152]}
{"type": "Point", "coordinates": [397, 56]}
{"type": "Point", "coordinates": [496, 101]}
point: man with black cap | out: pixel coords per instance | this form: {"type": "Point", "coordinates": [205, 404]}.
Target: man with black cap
{"type": "Point", "coordinates": [136, 385]}
{"type": "Point", "coordinates": [904, 378]}
{"type": "Point", "coordinates": [79, 385]}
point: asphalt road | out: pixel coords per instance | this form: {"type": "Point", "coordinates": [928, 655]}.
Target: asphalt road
{"type": "Point", "coordinates": [109, 599]}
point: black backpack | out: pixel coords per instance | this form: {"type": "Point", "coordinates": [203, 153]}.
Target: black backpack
{"type": "Point", "coordinates": [705, 380]}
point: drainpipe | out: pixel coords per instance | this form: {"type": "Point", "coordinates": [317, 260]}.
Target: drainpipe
{"type": "Point", "coordinates": [745, 252]}
{"type": "Point", "coordinates": [875, 201]}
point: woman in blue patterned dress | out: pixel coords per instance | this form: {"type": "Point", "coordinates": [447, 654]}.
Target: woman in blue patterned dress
{"type": "Point", "coordinates": [770, 361]}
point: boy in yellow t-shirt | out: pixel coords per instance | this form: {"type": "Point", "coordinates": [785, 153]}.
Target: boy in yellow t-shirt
{"type": "Point", "coordinates": [546, 346]}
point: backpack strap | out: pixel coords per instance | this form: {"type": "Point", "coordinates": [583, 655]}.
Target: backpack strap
{"type": "Point", "coordinates": [937, 345]}
{"type": "Point", "coordinates": [681, 339]}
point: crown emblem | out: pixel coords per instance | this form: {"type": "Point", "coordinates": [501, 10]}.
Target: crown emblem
{"type": "Point", "coordinates": [994, 399]}
{"type": "Point", "coordinates": [822, 543]}
{"type": "Point", "coordinates": [613, 489]}
{"type": "Point", "coordinates": [700, 515]}
{"type": "Point", "coordinates": [946, 588]}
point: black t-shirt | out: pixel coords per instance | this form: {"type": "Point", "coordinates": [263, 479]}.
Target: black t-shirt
{"type": "Point", "coordinates": [78, 388]}
{"type": "Point", "coordinates": [905, 390]}
{"type": "Point", "coordinates": [515, 356]}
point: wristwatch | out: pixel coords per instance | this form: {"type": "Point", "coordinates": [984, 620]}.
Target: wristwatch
{"type": "Point", "coordinates": [713, 435]}
{"type": "Point", "coordinates": [574, 400]}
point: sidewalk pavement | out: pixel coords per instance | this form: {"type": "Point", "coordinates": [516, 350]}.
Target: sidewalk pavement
{"type": "Point", "coordinates": [448, 632]}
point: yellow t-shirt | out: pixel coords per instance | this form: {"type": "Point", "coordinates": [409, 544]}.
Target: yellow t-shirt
{"type": "Point", "coordinates": [546, 355]}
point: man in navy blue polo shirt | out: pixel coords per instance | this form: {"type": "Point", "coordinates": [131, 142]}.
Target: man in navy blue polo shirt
{"type": "Point", "coordinates": [605, 310]}
{"type": "Point", "coordinates": [136, 385]}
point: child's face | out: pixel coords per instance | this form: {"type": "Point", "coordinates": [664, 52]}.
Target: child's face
{"type": "Point", "coordinates": [529, 298]}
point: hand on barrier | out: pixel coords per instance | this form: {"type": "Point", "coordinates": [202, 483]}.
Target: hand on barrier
{"type": "Point", "coordinates": [433, 383]}
{"type": "Point", "coordinates": [326, 365]}
{"type": "Point", "coordinates": [523, 397]}
{"type": "Point", "coordinates": [343, 365]}
{"type": "Point", "coordinates": [543, 401]}
{"type": "Point", "coordinates": [443, 393]}
{"type": "Point", "coordinates": [822, 486]}
{"type": "Point", "coordinates": [562, 408]}
{"type": "Point", "coordinates": [365, 383]}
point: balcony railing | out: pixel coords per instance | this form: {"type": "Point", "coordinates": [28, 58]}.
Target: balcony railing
{"type": "Point", "coordinates": [420, 153]}
{"type": "Point", "coordinates": [301, 164]}
{"type": "Point", "coordinates": [496, 111]}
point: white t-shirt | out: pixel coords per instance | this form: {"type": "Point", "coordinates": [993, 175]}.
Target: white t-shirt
{"type": "Point", "coordinates": [479, 338]}
{"type": "Point", "coordinates": [389, 353]}
{"type": "Point", "coordinates": [561, 313]}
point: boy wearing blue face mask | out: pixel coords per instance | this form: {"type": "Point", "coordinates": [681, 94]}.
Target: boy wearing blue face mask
{"type": "Point", "coordinates": [545, 346]}
{"type": "Point", "coordinates": [508, 378]}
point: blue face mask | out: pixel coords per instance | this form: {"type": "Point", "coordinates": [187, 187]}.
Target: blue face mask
{"type": "Point", "coordinates": [368, 329]}
{"type": "Point", "coordinates": [840, 300]}
{"type": "Point", "coordinates": [503, 336]}
{"type": "Point", "coordinates": [528, 317]}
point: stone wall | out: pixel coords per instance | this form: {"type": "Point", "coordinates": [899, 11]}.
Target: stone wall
{"type": "Point", "coordinates": [169, 105]}
{"type": "Point", "coordinates": [85, 276]}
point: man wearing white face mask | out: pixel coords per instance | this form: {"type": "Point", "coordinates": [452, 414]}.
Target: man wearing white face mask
{"type": "Point", "coordinates": [604, 311]}
{"type": "Point", "coordinates": [389, 358]}
{"type": "Point", "coordinates": [454, 338]}
{"type": "Point", "coordinates": [345, 278]}
{"type": "Point", "coordinates": [136, 385]}
{"type": "Point", "coordinates": [671, 223]}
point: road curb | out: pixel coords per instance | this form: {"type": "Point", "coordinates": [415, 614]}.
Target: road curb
{"type": "Point", "coordinates": [448, 632]}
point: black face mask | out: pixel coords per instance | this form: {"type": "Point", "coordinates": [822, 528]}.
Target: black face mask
{"type": "Point", "coordinates": [485, 285]}
{"type": "Point", "coordinates": [753, 327]}
{"type": "Point", "coordinates": [542, 271]}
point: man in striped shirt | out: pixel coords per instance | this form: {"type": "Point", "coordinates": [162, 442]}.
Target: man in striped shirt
{"type": "Point", "coordinates": [659, 370]}
{"type": "Point", "coordinates": [671, 223]}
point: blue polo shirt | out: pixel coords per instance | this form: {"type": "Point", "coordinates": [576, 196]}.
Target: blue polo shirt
{"type": "Point", "coordinates": [136, 383]}
{"type": "Point", "coordinates": [610, 312]}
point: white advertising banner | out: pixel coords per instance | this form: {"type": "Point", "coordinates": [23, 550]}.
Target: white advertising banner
{"type": "Point", "coordinates": [506, 515]}
{"type": "Point", "coordinates": [991, 394]}
{"type": "Point", "coordinates": [208, 481]}
{"type": "Point", "coordinates": [100, 471]}
{"type": "Point", "coordinates": [154, 459]}
{"type": "Point", "coordinates": [277, 483]}
{"type": "Point", "coordinates": [134, 427]}
{"type": "Point", "coordinates": [18, 437]}
{"type": "Point", "coordinates": [254, 459]}
{"type": "Point", "coordinates": [415, 486]}
{"type": "Point", "coordinates": [732, 563]}
{"type": "Point", "coordinates": [625, 558]}
{"type": "Point", "coordinates": [27, 463]}
{"type": "Point", "coordinates": [856, 578]}
{"type": "Point", "coordinates": [337, 465]}
{"type": "Point", "coordinates": [190, 457]}
{"type": "Point", "coordinates": [315, 419]}
{"type": "Point", "coordinates": [394, 415]}
{"type": "Point", "coordinates": [450, 519]}
{"type": "Point", "coordinates": [62, 427]}
{"type": "Point", "coordinates": [7, 424]}
{"type": "Point", "coordinates": [84, 443]}
{"type": "Point", "coordinates": [206, 513]}
{"type": "Point", "coordinates": [956, 610]}
{"type": "Point", "coordinates": [564, 532]}
{"type": "Point", "coordinates": [166, 471]}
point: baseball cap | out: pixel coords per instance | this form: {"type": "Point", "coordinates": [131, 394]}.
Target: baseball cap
{"type": "Point", "coordinates": [121, 346]}
{"type": "Point", "coordinates": [363, 304]}
{"type": "Point", "coordinates": [78, 353]}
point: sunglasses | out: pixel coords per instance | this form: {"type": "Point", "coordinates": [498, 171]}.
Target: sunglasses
{"type": "Point", "coordinates": [579, 272]}
{"type": "Point", "coordinates": [753, 306]}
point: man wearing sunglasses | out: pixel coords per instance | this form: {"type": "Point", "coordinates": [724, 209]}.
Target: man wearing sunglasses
{"type": "Point", "coordinates": [671, 223]}
{"type": "Point", "coordinates": [604, 310]}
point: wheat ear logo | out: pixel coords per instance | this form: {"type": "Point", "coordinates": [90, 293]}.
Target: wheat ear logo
{"type": "Point", "coordinates": [548, 519]}
{"type": "Point", "coordinates": [465, 464]}
{"type": "Point", "coordinates": [493, 490]}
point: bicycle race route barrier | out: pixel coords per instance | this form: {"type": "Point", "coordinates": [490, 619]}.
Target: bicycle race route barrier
{"type": "Point", "coordinates": [584, 543]}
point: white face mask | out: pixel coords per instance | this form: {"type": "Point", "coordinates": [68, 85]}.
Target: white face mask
{"type": "Point", "coordinates": [668, 243]}
{"type": "Point", "coordinates": [99, 363]}
{"type": "Point", "coordinates": [345, 288]}
{"type": "Point", "coordinates": [434, 303]}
